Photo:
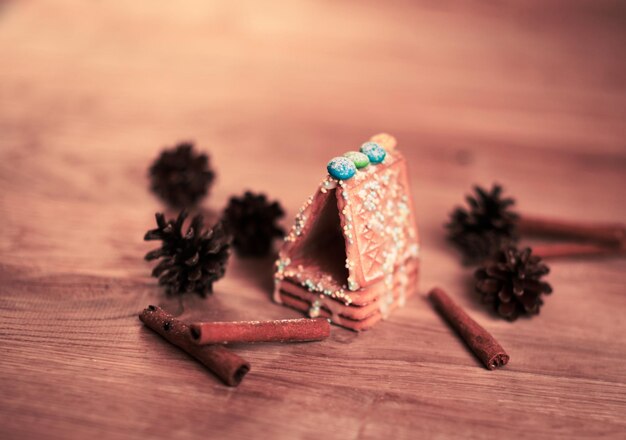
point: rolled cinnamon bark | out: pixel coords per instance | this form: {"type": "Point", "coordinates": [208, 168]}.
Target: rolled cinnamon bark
{"type": "Point", "coordinates": [484, 346]}
{"type": "Point", "coordinates": [225, 364]}
{"type": "Point", "coordinates": [284, 330]}
{"type": "Point", "coordinates": [605, 233]}
{"type": "Point", "coordinates": [568, 250]}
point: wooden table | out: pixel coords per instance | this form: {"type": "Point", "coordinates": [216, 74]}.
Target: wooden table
{"type": "Point", "coordinates": [531, 94]}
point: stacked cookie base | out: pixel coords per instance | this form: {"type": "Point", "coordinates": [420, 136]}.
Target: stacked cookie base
{"type": "Point", "coordinates": [359, 310]}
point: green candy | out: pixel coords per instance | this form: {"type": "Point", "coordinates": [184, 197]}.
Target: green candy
{"type": "Point", "coordinates": [360, 160]}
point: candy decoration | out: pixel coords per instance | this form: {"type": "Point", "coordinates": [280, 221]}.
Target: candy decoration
{"type": "Point", "coordinates": [360, 160]}
{"type": "Point", "coordinates": [374, 152]}
{"type": "Point", "coordinates": [341, 168]}
{"type": "Point", "coordinates": [387, 141]}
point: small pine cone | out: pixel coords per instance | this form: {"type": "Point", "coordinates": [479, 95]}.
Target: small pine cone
{"type": "Point", "coordinates": [486, 227]}
{"type": "Point", "coordinates": [252, 221]}
{"type": "Point", "coordinates": [512, 283]}
{"type": "Point", "coordinates": [180, 176]}
{"type": "Point", "coordinates": [190, 262]}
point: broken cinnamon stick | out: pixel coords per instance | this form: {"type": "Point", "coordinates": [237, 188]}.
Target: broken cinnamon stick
{"type": "Point", "coordinates": [484, 346]}
{"type": "Point", "coordinates": [567, 250]}
{"type": "Point", "coordinates": [284, 330]}
{"type": "Point", "coordinates": [604, 233]}
{"type": "Point", "coordinates": [225, 364]}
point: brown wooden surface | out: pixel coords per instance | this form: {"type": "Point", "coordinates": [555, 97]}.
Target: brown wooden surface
{"type": "Point", "coordinates": [532, 94]}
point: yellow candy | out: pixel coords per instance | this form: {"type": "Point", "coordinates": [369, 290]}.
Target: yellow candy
{"type": "Point", "coordinates": [387, 141]}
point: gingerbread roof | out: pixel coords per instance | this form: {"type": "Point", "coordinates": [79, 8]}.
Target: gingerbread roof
{"type": "Point", "coordinates": [353, 233]}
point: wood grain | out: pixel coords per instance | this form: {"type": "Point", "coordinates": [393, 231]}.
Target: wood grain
{"type": "Point", "coordinates": [531, 94]}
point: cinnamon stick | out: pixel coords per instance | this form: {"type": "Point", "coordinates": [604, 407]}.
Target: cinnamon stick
{"type": "Point", "coordinates": [566, 250]}
{"type": "Point", "coordinates": [225, 364]}
{"type": "Point", "coordinates": [484, 346]}
{"type": "Point", "coordinates": [293, 330]}
{"type": "Point", "coordinates": [604, 233]}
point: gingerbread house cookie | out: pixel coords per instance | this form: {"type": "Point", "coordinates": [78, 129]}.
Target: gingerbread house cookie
{"type": "Point", "coordinates": [352, 254]}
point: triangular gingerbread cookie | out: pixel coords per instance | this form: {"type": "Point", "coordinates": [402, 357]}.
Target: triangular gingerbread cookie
{"type": "Point", "coordinates": [353, 252]}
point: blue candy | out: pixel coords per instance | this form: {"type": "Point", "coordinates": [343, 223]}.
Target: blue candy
{"type": "Point", "coordinates": [341, 168]}
{"type": "Point", "coordinates": [374, 152]}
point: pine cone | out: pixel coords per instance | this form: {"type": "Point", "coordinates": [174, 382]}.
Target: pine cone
{"type": "Point", "coordinates": [180, 176]}
{"type": "Point", "coordinates": [191, 262]}
{"type": "Point", "coordinates": [486, 227]}
{"type": "Point", "coordinates": [252, 221]}
{"type": "Point", "coordinates": [512, 283]}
